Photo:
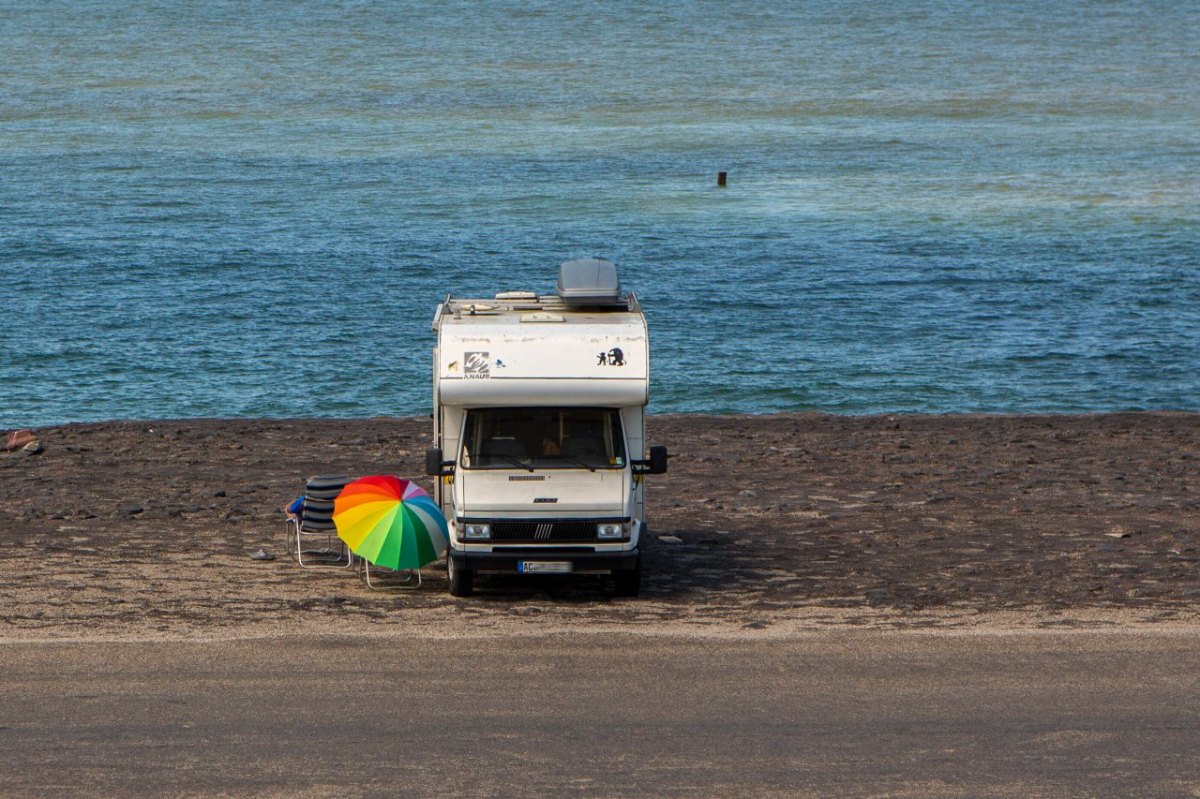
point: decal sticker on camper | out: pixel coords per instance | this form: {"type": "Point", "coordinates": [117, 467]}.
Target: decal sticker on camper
{"type": "Point", "coordinates": [477, 365]}
{"type": "Point", "coordinates": [613, 357]}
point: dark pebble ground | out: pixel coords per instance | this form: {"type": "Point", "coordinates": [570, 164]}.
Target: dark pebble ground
{"type": "Point", "coordinates": [131, 528]}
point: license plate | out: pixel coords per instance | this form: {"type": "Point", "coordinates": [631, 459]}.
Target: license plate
{"type": "Point", "coordinates": [544, 567]}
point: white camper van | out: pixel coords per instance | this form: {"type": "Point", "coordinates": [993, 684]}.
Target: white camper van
{"type": "Point", "coordinates": [539, 430]}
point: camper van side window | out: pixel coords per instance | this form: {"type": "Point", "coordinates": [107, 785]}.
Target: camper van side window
{"type": "Point", "coordinates": [543, 438]}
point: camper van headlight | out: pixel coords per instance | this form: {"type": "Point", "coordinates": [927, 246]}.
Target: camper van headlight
{"type": "Point", "coordinates": [611, 530]}
{"type": "Point", "coordinates": [477, 531]}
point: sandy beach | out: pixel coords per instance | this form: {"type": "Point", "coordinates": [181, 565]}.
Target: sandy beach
{"type": "Point", "coordinates": [764, 525]}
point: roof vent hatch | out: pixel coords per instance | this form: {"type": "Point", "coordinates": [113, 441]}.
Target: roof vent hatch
{"type": "Point", "coordinates": [589, 282]}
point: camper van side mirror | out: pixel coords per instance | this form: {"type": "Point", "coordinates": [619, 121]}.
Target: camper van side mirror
{"type": "Point", "coordinates": [658, 460]}
{"type": "Point", "coordinates": [433, 461]}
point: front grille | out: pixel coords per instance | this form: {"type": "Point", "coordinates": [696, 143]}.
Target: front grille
{"type": "Point", "coordinates": [534, 531]}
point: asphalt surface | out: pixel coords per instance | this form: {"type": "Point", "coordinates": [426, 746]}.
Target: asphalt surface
{"type": "Point", "coordinates": [833, 714]}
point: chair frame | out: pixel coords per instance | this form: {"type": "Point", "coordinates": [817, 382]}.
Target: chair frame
{"type": "Point", "coordinates": [389, 580]}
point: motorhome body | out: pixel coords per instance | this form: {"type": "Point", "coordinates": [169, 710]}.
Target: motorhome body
{"type": "Point", "coordinates": [539, 430]}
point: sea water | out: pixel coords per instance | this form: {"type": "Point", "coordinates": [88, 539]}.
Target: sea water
{"type": "Point", "coordinates": [233, 209]}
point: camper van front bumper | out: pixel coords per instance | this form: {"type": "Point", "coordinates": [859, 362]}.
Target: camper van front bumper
{"type": "Point", "coordinates": [516, 560]}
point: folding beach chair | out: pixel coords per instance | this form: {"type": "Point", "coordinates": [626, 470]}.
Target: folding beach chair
{"type": "Point", "coordinates": [312, 532]}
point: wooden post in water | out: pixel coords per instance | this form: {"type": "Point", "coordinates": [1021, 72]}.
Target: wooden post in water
{"type": "Point", "coordinates": [721, 179]}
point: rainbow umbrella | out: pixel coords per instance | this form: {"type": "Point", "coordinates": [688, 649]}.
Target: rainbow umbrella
{"type": "Point", "coordinates": [390, 522]}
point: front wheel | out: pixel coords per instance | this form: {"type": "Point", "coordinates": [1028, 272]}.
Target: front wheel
{"type": "Point", "coordinates": [629, 583]}
{"type": "Point", "coordinates": [462, 581]}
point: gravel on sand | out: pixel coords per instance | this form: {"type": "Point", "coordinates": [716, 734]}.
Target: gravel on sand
{"type": "Point", "coordinates": [132, 530]}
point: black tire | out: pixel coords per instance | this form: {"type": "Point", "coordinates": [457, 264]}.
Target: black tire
{"type": "Point", "coordinates": [628, 583]}
{"type": "Point", "coordinates": [462, 581]}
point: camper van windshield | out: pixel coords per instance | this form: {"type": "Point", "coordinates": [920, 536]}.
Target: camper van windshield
{"type": "Point", "coordinates": [543, 438]}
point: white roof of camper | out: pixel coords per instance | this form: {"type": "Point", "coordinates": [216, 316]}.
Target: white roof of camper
{"type": "Point", "coordinates": [521, 349]}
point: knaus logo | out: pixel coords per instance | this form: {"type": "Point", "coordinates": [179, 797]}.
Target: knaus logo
{"type": "Point", "coordinates": [477, 365]}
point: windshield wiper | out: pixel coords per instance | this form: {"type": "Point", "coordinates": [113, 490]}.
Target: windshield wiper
{"type": "Point", "coordinates": [587, 466]}
{"type": "Point", "coordinates": [513, 461]}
